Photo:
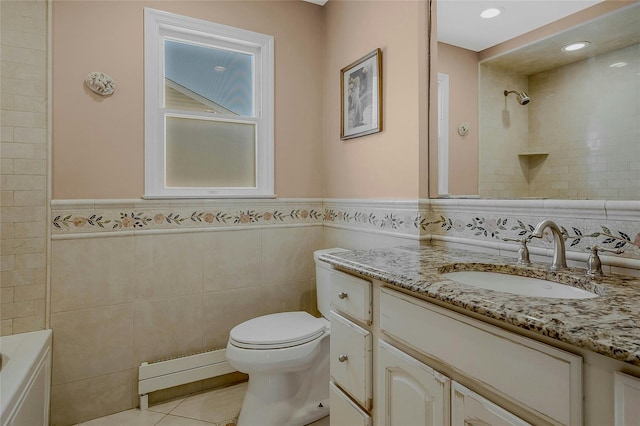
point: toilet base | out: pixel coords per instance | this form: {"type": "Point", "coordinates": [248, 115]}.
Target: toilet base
{"type": "Point", "coordinates": [293, 399]}
{"type": "Point", "coordinates": [256, 411]}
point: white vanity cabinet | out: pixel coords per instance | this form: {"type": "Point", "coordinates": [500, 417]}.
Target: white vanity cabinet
{"type": "Point", "coordinates": [351, 353]}
{"type": "Point", "coordinates": [531, 376]}
{"type": "Point", "coordinates": [409, 361]}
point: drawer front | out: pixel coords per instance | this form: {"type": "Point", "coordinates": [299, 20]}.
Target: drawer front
{"type": "Point", "coordinates": [351, 359]}
{"type": "Point", "coordinates": [351, 296]}
{"type": "Point", "coordinates": [343, 411]}
{"type": "Point", "coordinates": [545, 380]}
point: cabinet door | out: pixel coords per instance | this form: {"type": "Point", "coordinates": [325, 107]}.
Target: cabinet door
{"type": "Point", "coordinates": [627, 399]}
{"type": "Point", "coordinates": [410, 393]}
{"type": "Point", "coordinates": [345, 412]}
{"type": "Point", "coordinates": [470, 409]}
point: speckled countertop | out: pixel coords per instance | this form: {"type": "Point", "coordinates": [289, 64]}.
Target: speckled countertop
{"type": "Point", "coordinates": [608, 324]}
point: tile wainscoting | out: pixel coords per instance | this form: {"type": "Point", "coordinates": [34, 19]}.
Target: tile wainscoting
{"type": "Point", "coordinates": [475, 222]}
{"type": "Point", "coordinates": [138, 280]}
{"type": "Point", "coordinates": [128, 286]}
{"type": "Point", "coordinates": [483, 224]}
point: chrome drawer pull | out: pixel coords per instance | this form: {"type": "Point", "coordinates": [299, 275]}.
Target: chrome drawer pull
{"type": "Point", "coordinates": [343, 358]}
{"type": "Point", "coordinates": [342, 295]}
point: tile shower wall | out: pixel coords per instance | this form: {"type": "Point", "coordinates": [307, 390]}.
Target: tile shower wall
{"type": "Point", "coordinates": [592, 135]}
{"type": "Point", "coordinates": [23, 167]}
{"type": "Point", "coordinates": [584, 115]}
{"type": "Point", "coordinates": [503, 134]}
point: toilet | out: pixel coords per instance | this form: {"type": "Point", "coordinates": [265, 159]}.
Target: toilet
{"type": "Point", "coordinates": [286, 356]}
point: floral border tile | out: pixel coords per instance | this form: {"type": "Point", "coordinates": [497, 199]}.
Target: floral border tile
{"type": "Point", "coordinates": [484, 221]}
{"type": "Point", "coordinates": [580, 232]}
{"type": "Point", "coordinates": [104, 219]}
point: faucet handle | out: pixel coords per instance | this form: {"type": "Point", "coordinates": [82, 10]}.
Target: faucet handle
{"type": "Point", "coordinates": [594, 265]}
{"type": "Point", "coordinates": [523, 252]}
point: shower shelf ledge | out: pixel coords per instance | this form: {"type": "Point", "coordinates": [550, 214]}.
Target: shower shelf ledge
{"type": "Point", "coordinates": [532, 154]}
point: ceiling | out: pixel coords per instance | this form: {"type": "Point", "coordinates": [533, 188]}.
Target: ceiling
{"type": "Point", "coordinates": [609, 33]}
{"type": "Point", "coordinates": [459, 22]}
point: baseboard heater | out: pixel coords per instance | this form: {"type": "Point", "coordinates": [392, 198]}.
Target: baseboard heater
{"type": "Point", "coordinates": [157, 375]}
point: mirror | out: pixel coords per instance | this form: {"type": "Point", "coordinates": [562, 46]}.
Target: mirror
{"type": "Point", "coordinates": [538, 122]}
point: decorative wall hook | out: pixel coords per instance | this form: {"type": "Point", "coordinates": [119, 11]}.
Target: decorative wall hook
{"type": "Point", "coordinates": [100, 83]}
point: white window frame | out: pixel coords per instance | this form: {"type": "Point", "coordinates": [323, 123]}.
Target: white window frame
{"type": "Point", "coordinates": [160, 26]}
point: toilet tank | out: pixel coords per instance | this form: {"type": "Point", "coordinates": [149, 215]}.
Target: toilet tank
{"type": "Point", "coordinates": [323, 280]}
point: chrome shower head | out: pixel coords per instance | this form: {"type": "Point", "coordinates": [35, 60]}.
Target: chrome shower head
{"type": "Point", "coordinates": [522, 97]}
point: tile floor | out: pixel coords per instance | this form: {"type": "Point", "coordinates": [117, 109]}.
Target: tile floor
{"type": "Point", "coordinates": [218, 407]}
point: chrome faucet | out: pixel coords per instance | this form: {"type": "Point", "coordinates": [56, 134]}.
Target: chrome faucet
{"type": "Point", "coordinates": [559, 261]}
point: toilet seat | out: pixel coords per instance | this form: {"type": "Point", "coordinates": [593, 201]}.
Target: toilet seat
{"type": "Point", "coordinates": [282, 330]}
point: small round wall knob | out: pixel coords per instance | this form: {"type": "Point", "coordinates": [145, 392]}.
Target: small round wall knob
{"type": "Point", "coordinates": [342, 295]}
{"type": "Point", "coordinates": [343, 358]}
{"type": "Point", "coordinates": [463, 129]}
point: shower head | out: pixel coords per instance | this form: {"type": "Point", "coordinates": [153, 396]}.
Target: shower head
{"type": "Point", "coordinates": [522, 97]}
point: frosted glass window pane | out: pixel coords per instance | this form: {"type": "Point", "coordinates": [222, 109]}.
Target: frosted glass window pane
{"type": "Point", "coordinates": [211, 79]}
{"type": "Point", "coordinates": [205, 153]}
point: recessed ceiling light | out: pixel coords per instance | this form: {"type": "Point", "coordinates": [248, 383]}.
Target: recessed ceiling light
{"type": "Point", "coordinates": [219, 68]}
{"type": "Point", "coordinates": [575, 46]}
{"type": "Point", "coordinates": [618, 65]}
{"type": "Point", "coordinates": [492, 12]}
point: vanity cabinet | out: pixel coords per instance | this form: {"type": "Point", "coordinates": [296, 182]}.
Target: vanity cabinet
{"type": "Point", "coordinates": [440, 361]}
{"type": "Point", "coordinates": [538, 378]}
{"type": "Point", "coordinates": [351, 353]}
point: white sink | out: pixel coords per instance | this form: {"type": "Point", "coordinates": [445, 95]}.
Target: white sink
{"type": "Point", "coordinates": [515, 284]}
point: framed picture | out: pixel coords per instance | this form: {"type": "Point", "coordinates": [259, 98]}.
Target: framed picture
{"type": "Point", "coordinates": [361, 96]}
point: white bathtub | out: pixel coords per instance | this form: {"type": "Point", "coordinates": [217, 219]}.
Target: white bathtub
{"type": "Point", "coordinates": [25, 379]}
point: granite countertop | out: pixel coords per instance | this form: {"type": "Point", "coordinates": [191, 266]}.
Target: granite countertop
{"type": "Point", "coordinates": [608, 324]}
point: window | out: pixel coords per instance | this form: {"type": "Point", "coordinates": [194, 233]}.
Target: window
{"type": "Point", "coordinates": [208, 109]}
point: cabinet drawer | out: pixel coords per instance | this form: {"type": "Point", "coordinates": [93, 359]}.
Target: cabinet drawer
{"type": "Point", "coordinates": [543, 379]}
{"type": "Point", "coordinates": [351, 296]}
{"type": "Point", "coordinates": [351, 359]}
{"type": "Point", "coordinates": [345, 412]}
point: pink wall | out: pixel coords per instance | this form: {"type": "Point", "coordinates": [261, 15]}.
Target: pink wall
{"type": "Point", "coordinates": [462, 67]}
{"type": "Point", "coordinates": [386, 164]}
{"type": "Point", "coordinates": [98, 142]}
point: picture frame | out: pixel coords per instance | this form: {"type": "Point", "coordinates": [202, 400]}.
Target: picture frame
{"type": "Point", "coordinates": [361, 96]}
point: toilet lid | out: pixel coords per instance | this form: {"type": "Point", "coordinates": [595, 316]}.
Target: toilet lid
{"type": "Point", "coordinates": [278, 330]}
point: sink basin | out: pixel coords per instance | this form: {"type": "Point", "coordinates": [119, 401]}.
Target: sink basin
{"type": "Point", "coordinates": [515, 284]}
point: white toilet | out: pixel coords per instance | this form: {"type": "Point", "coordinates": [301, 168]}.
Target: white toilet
{"type": "Point", "coordinates": [286, 356]}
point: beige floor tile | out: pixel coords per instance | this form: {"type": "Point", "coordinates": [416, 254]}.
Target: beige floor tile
{"type": "Point", "coordinates": [214, 406]}
{"type": "Point", "coordinates": [218, 407]}
{"type": "Point", "coordinates": [166, 406]}
{"type": "Point", "coordinates": [171, 420]}
{"type": "Point", "coordinates": [322, 422]}
{"type": "Point", "coordinates": [129, 417]}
